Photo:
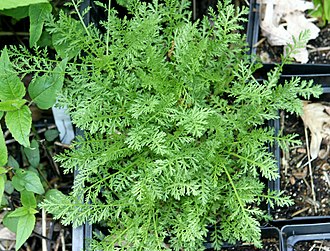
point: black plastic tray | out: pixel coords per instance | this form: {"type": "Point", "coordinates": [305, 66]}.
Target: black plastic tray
{"type": "Point", "coordinates": [266, 232]}
{"type": "Point", "coordinates": [304, 232]}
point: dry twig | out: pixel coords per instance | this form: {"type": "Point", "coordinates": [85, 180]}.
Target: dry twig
{"type": "Point", "coordinates": [44, 229]}
{"type": "Point", "coordinates": [300, 211]}
{"type": "Point", "coordinates": [310, 168]}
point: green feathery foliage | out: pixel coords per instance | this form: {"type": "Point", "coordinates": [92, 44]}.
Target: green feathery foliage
{"type": "Point", "coordinates": [174, 120]}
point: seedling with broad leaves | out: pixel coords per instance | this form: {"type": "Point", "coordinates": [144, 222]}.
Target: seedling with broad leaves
{"type": "Point", "coordinates": [15, 100]}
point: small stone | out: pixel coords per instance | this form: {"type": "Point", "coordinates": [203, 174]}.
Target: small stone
{"type": "Point", "coordinates": [292, 180]}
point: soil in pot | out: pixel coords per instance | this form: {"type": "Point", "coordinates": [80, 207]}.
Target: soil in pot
{"type": "Point", "coordinates": [312, 245]}
{"type": "Point", "coordinates": [269, 244]}
{"type": "Point", "coordinates": [307, 184]}
{"type": "Point", "coordinates": [58, 237]}
{"type": "Point", "coordinates": [318, 49]}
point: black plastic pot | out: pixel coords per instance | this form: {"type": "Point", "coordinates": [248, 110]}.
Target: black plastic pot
{"type": "Point", "coordinates": [303, 233]}
{"type": "Point", "coordinates": [275, 185]}
{"type": "Point", "coordinates": [320, 73]}
{"type": "Point", "coordinates": [302, 70]}
{"type": "Point", "coordinates": [270, 235]}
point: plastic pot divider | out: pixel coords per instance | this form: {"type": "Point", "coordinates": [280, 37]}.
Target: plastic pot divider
{"type": "Point", "coordinates": [266, 233]}
{"type": "Point", "coordinates": [275, 184]}
{"type": "Point", "coordinates": [304, 232]}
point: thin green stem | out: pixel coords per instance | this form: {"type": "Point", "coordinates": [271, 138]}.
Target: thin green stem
{"type": "Point", "coordinates": [110, 176]}
{"type": "Point", "coordinates": [80, 18]}
{"type": "Point", "coordinates": [241, 204]}
{"type": "Point", "coordinates": [155, 228]}
{"type": "Point", "coordinates": [244, 158]}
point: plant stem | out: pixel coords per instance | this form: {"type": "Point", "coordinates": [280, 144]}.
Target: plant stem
{"type": "Point", "coordinates": [80, 18]}
{"type": "Point", "coordinates": [235, 191]}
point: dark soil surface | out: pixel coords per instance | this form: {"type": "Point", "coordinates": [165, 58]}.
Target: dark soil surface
{"type": "Point", "coordinates": [321, 53]}
{"type": "Point", "coordinates": [295, 176]}
{"type": "Point", "coordinates": [312, 245]}
{"type": "Point", "coordinates": [271, 244]}
{"type": "Point", "coordinates": [319, 49]}
{"type": "Point", "coordinates": [58, 237]}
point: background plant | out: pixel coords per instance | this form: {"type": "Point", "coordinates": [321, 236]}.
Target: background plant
{"type": "Point", "coordinates": [321, 11]}
{"type": "Point", "coordinates": [174, 139]}
{"type": "Point", "coordinates": [14, 107]}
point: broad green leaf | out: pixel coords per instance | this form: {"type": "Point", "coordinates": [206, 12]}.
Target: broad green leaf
{"type": "Point", "coordinates": [56, 195]}
{"type": "Point", "coordinates": [18, 183]}
{"type": "Point", "coordinates": [5, 65]}
{"type": "Point", "coordinates": [10, 85]}
{"type": "Point", "coordinates": [9, 188]}
{"type": "Point", "coordinates": [43, 90]}
{"type": "Point", "coordinates": [32, 210]}
{"type": "Point", "coordinates": [19, 124]}
{"type": "Point", "coordinates": [10, 222]}
{"type": "Point", "coordinates": [38, 14]}
{"type": "Point", "coordinates": [32, 153]}
{"type": "Point", "coordinates": [18, 179]}
{"type": "Point", "coordinates": [4, 201]}
{"type": "Point", "coordinates": [326, 6]}
{"type": "Point", "coordinates": [12, 162]}
{"type": "Point", "coordinates": [12, 105]}
{"type": "Point", "coordinates": [45, 39]}
{"type": "Point", "coordinates": [28, 199]}
{"type": "Point", "coordinates": [9, 4]}
{"type": "Point", "coordinates": [2, 185]}
{"type": "Point", "coordinates": [3, 170]}
{"type": "Point", "coordinates": [1, 114]}
{"type": "Point", "coordinates": [51, 135]}
{"type": "Point", "coordinates": [20, 211]}
{"type": "Point", "coordinates": [28, 180]}
{"type": "Point", "coordinates": [25, 226]}
{"type": "Point", "coordinates": [3, 149]}
{"type": "Point", "coordinates": [17, 13]}
{"type": "Point", "coordinates": [33, 183]}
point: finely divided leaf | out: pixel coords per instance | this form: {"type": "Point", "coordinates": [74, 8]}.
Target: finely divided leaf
{"type": "Point", "coordinates": [25, 227]}
{"type": "Point", "coordinates": [43, 90]}
{"type": "Point", "coordinates": [19, 124]}
{"type": "Point", "coordinates": [10, 85]}
{"type": "Point", "coordinates": [38, 14]}
{"type": "Point", "coordinates": [3, 149]}
{"type": "Point", "coordinates": [9, 4]}
{"type": "Point", "coordinates": [65, 47]}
